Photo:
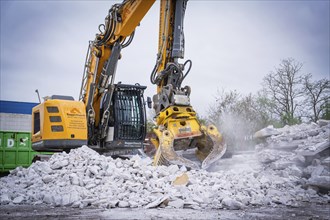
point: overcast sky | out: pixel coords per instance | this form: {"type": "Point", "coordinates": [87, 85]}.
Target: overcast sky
{"type": "Point", "coordinates": [232, 44]}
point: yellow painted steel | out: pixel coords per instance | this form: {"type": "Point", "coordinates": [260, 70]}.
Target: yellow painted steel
{"type": "Point", "coordinates": [71, 116]}
{"type": "Point", "coordinates": [209, 146]}
{"type": "Point", "coordinates": [180, 122]}
{"type": "Point", "coordinates": [132, 13]}
{"type": "Point", "coordinates": [104, 55]}
{"type": "Point", "coordinates": [165, 37]}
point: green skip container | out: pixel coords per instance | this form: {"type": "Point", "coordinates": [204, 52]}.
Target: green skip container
{"type": "Point", "coordinates": [15, 150]}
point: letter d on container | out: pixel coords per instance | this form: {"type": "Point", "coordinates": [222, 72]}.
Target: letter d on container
{"type": "Point", "coordinates": [10, 143]}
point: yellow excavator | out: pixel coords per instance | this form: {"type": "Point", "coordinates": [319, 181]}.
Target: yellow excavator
{"type": "Point", "coordinates": [111, 118]}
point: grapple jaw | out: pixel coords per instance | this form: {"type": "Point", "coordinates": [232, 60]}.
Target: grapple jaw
{"type": "Point", "coordinates": [166, 155]}
{"type": "Point", "coordinates": [208, 145]}
{"type": "Point", "coordinates": [215, 150]}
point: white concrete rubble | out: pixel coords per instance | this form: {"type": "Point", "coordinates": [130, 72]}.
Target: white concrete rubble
{"type": "Point", "coordinates": [299, 152]}
{"type": "Point", "coordinates": [85, 178]}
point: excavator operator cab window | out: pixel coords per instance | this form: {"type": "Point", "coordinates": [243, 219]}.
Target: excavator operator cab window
{"type": "Point", "coordinates": [129, 113]}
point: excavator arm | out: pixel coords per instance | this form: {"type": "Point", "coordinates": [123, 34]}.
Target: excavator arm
{"type": "Point", "coordinates": [178, 131]}
{"type": "Point", "coordinates": [97, 89]}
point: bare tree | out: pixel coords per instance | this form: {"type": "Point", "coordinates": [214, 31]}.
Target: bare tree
{"type": "Point", "coordinates": [317, 96]}
{"type": "Point", "coordinates": [284, 86]}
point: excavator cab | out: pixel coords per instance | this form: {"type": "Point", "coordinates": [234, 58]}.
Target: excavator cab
{"type": "Point", "coordinates": [60, 123]}
{"type": "Point", "coordinates": [127, 124]}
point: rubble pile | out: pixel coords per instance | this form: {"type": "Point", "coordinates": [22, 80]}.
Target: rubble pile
{"type": "Point", "coordinates": [85, 178]}
{"type": "Point", "coordinates": [299, 152]}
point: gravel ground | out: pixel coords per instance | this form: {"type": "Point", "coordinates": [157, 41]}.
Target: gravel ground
{"type": "Point", "coordinates": [26, 212]}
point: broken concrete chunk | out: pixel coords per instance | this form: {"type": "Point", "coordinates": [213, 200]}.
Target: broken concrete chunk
{"type": "Point", "coordinates": [326, 162]}
{"type": "Point", "coordinates": [178, 203]}
{"type": "Point", "coordinates": [4, 199]}
{"type": "Point", "coordinates": [320, 181]}
{"type": "Point", "coordinates": [323, 122]}
{"type": "Point", "coordinates": [113, 203]}
{"type": "Point", "coordinates": [136, 163]}
{"type": "Point", "coordinates": [197, 199]}
{"type": "Point", "coordinates": [172, 169]}
{"type": "Point", "coordinates": [47, 178]}
{"type": "Point", "coordinates": [74, 179]}
{"type": "Point", "coordinates": [232, 204]}
{"type": "Point", "coordinates": [66, 201]}
{"type": "Point", "coordinates": [317, 171]}
{"type": "Point", "coordinates": [94, 170]}
{"type": "Point", "coordinates": [59, 164]}
{"type": "Point", "coordinates": [314, 149]}
{"type": "Point", "coordinates": [91, 185]}
{"type": "Point", "coordinates": [295, 171]}
{"type": "Point", "coordinates": [123, 204]}
{"type": "Point", "coordinates": [157, 202]}
{"type": "Point", "coordinates": [57, 200]}
{"type": "Point", "coordinates": [18, 200]}
{"type": "Point", "coordinates": [43, 167]}
{"type": "Point", "coordinates": [48, 198]}
{"type": "Point", "coordinates": [281, 164]}
{"type": "Point", "coordinates": [266, 132]}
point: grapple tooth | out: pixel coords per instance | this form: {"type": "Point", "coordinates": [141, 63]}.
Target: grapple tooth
{"type": "Point", "coordinates": [218, 148]}
{"type": "Point", "coordinates": [217, 152]}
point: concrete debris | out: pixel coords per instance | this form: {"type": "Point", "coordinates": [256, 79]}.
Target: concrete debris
{"type": "Point", "coordinates": [326, 162]}
{"type": "Point", "coordinates": [266, 132]}
{"type": "Point", "coordinates": [90, 179]}
{"type": "Point", "coordinates": [230, 203]}
{"type": "Point", "coordinates": [314, 149]}
{"type": "Point", "coordinates": [157, 202]}
{"type": "Point", "coordinates": [300, 153]}
{"type": "Point", "coordinates": [323, 122]}
{"type": "Point", "coordinates": [18, 200]}
{"type": "Point", "coordinates": [178, 203]}
{"type": "Point", "coordinates": [4, 198]}
{"type": "Point", "coordinates": [322, 182]}
{"type": "Point", "coordinates": [84, 178]}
